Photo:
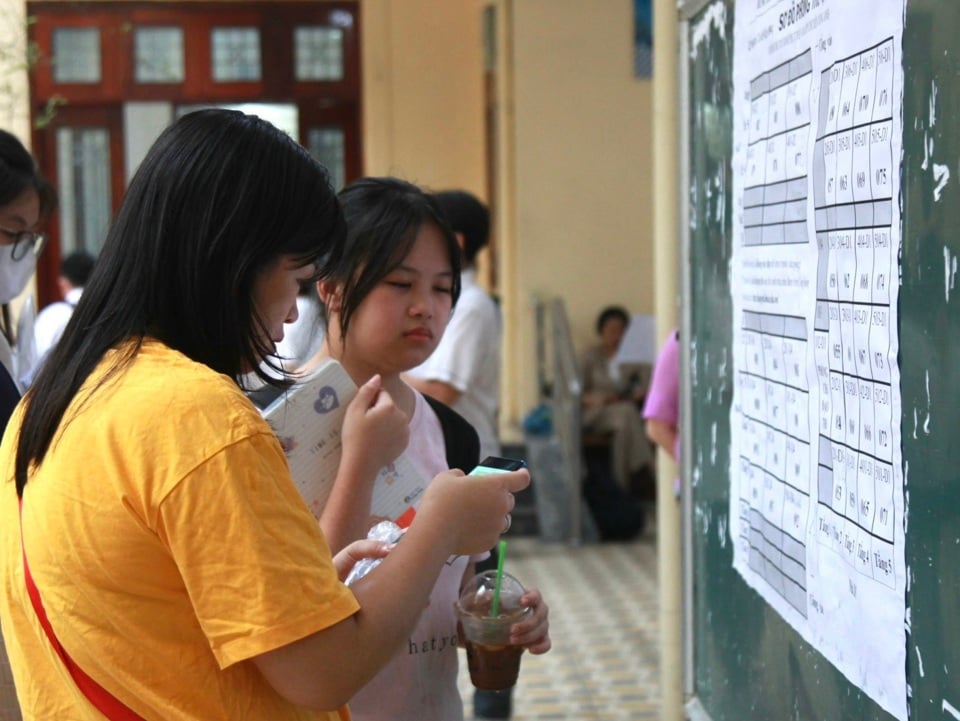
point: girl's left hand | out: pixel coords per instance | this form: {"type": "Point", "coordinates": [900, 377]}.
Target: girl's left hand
{"type": "Point", "coordinates": [533, 633]}
{"type": "Point", "coordinates": [348, 557]}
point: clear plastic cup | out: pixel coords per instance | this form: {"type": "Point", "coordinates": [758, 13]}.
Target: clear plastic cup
{"type": "Point", "coordinates": [493, 661]}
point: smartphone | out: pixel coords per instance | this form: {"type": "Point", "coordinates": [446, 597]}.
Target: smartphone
{"type": "Point", "coordinates": [495, 464]}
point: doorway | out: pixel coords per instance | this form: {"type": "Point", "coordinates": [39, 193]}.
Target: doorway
{"type": "Point", "coordinates": [120, 72]}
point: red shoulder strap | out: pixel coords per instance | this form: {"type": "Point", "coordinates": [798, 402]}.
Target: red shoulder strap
{"type": "Point", "coordinates": [106, 703]}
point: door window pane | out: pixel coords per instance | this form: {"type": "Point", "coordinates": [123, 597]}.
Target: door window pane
{"type": "Point", "coordinates": [285, 116]}
{"type": "Point", "coordinates": [76, 55]}
{"type": "Point", "coordinates": [158, 55]}
{"type": "Point", "coordinates": [318, 53]}
{"type": "Point", "coordinates": [83, 162]}
{"type": "Point", "coordinates": [327, 145]}
{"type": "Point", "coordinates": [235, 54]}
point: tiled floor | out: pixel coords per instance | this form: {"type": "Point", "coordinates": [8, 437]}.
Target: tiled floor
{"type": "Point", "coordinates": [603, 621]}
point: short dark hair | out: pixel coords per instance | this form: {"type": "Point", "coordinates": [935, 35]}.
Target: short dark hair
{"type": "Point", "coordinates": [219, 197]}
{"type": "Point", "coordinates": [383, 218]}
{"type": "Point", "coordinates": [611, 312]}
{"type": "Point", "coordinates": [77, 267]}
{"type": "Point", "coordinates": [467, 216]}
{"type": "Point", "coordinates": [18, 172]}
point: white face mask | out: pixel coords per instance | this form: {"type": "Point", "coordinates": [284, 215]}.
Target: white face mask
{"type": "Point", "coordinates": [15, 274]}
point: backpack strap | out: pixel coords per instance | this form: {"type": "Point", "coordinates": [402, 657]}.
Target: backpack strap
{"type": "Point", "coordinates": [9, 396]}
{"type": "Point", "coordinates": [105, 702]}
{"type": "Point", "coordinates": [459, 437]}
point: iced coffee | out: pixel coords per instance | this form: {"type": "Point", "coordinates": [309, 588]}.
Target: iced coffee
{"type": "Point", "coordinates": [493, 661]}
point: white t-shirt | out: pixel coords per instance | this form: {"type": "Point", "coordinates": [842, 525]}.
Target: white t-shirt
{"type": "Point", "coordinates": [47, 330]}
{"type": "Point", "coordinates": [420, 682]}
{"type": "Point", "coordinates": [50, 322]}
{"type": "Point", "coordinates": [302, 338]}
{"type": "Point", "coordinates": [468, 358]}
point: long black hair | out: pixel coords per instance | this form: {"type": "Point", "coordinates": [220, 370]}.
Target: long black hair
{"type": "Point", "coordinates": [219, 197]}
{"type": "Point", "coordinates": [18, 172]}
{"type": "Point", "coordinates": [383, 218]}
{"type": "Point", "coordinates": [467, 216]}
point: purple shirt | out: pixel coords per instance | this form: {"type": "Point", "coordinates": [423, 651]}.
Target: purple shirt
{"type": "Point", "coordinates": [663, 396]}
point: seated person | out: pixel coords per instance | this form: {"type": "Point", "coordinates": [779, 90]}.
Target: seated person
{"type": "Point", "coordinates": [612, 405]}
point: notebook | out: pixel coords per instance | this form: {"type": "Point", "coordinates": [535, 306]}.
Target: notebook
{"type": "Point", "coordinates": [307, 418]}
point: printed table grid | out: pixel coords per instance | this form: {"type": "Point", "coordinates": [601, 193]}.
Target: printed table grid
{"type": "Point", "coordinates": [775, 196]}
{"type": "Point", "coordinates": [775, 498]}
{"type": "Point", "coordinates": [853, 210]}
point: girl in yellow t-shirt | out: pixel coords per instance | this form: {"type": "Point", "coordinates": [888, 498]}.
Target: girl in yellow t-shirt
{"type": "Point", "coordinates": [176, 564]}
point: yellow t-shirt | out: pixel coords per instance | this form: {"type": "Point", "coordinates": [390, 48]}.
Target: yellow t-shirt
{"type": "Point", "coordinates": [169, 546]}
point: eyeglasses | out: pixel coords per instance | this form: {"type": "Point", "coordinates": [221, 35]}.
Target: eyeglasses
{"type": "Point", "coordinates": [25, 241]}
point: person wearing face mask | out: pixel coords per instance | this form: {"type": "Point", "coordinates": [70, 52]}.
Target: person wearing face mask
{"type": "Point", "coordinates": [26, 200]}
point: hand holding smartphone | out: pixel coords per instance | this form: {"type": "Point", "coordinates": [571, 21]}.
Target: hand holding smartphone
{"type": "Point", "coordinates": [496, 464]}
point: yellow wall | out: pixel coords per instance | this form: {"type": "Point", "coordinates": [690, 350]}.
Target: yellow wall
{"type": "Point", "coordinates": [423, 91]}
{"type": "Point", "coordinates": [578, 128]}
{"type": "Point", "coordinates": [583, 130]}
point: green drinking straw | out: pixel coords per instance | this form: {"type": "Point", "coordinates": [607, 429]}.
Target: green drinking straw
{"type": "Point", "coordinates": [496, 587]}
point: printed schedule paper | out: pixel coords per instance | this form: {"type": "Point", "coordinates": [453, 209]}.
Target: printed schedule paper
{"type": "Point", "coordinates": [817, 502]}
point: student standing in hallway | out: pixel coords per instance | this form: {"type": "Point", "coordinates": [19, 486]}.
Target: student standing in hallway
{"type": "Point", "coordinates": [26, 201]}
{"type": "Point", "coordinates": [388, 298]}
{"type": "Point", "coordinates": [464, 370]}
{"type": "Point", "coordinates": [662, 408]}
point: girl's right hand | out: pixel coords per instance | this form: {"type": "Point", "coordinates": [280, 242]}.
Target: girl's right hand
{"type": "Point", "coordinates": [471, 511]}
{"type": "Point", "coordinates": [375, 431]}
